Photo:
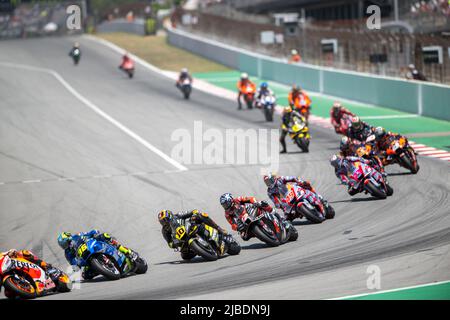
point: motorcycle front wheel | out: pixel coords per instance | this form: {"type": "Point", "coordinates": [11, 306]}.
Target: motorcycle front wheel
{"type": "Point", "coordinates": [312, 215]}
{"type": "Point", "coordinates": [262, 235]}
{"type": "Point", "coordinates": [20, 287]}
{"type": "Point", "coordinates": [107, 269]}
{"type": "Point", "coordinates": [374, 191]}
{"type": "Point", "coordinates": [206, 253]}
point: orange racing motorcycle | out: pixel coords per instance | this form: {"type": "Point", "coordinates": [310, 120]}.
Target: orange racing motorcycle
{"type": "Point", "coordinates": [27, 280]}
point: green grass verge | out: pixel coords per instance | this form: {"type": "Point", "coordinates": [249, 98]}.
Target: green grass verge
{"type": "Point", "coordinates": [156, 50]}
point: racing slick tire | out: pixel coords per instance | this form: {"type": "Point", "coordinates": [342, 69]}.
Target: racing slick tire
{"type": "Point", "coordinates": [208, 255]}
{"type": "Point", "coordinates": [264, 237]}
{"type": "Point", "coordinates": [19, 286]}
{"type": "Point", "coordinates": [110, 271]}
{"type": "Point", "coordinates": [312, 215]}
{"type": "Point", "coordinates": [374, 191]}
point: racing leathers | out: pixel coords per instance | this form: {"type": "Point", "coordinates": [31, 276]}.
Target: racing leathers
{"type": "Point", "coordinates": [242, 88]}
{"type": "Point", "coordinates": [29, 256]}
{"type": "Point", "coordinates": [78, 239]}
{"type": "Point", "coordinates": [183, 76]}
{"type": "Point", "coordinates": [183, 218]}
{"type": "Point", "coordinates": [279, 190]}
{"type": "Point", "coordinates": [344, 169]}
{"type": "Point", "coordinates": [300, 100]}
{"type": "Point", "coordinates": [360, 134]}
{"type": "Point", "coordinates": [234, 212]}
{"type": "Point", "coordinates": [286, 118]}
{"type": "Point", "coordinates": [261, 93]}
{"type": "Point", "coordinates": [336, 115]}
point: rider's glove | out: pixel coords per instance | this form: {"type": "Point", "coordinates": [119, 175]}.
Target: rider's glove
{"type": "Point", "coordinates": [264, 204]}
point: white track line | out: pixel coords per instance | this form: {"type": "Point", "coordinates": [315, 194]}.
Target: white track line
{"type": "Point", "coordinates": [100, 112]}
{"type": "Point", "coordinates": [392, 290]}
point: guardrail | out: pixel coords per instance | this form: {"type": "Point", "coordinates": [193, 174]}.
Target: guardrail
{"type": "Point", "coordinates": [427, 99]}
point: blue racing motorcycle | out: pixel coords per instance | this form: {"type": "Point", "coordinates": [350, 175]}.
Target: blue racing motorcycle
{"type": "Point", "coordinates": [104, 259]}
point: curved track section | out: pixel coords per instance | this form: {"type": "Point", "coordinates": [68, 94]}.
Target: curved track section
{"type": "Point", "coordinates": [63, 167]}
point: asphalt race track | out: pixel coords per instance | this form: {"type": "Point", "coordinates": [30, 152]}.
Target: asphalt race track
{"type": "Point", "coordinates": [65, 168]}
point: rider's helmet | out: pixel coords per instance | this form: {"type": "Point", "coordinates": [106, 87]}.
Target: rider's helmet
{"type": "Point", "coordinates": [345, 143]}
{"type": "Point", "coordinates": [379, 132]}
{"type": "Point", "coordinates": [287, 110]}
{"type": "Point", "coordinates": [296, 88]}
{"type": "Point", "coordinates": [76, 45]}
{"type": "Point", "coordinates": [356, 123]}
{"type": "Point", "coordinates": [165, 217]}
{"type": "Point", "coordinates": [337, 106]}
{"type": "Point", "coordinates": [64, 239]}
{"type": "Point", "coordinates": [226, 200]}
{"type": "Point", "coordinates": [184, 71]}
{"type": "Point", "coordinates": [270, 180]}
{"type": "Point", "coordinates": [264, 85]}
{"type": "Point", "coordinates": [244, 76]}
{"type": "Point", "coordinates": [335, 160]}
{"type": "Point", "coordinates": [294, 52]}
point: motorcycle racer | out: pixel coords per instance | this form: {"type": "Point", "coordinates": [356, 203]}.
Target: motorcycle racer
{"type": "Point", "coordinates": [277, 189]}
{"type": "Point", "coordinates": [70, 243]}
{"type": "Point", "coordinates": [29, 256]}
{"type": "Point", "coordinates": [184, 74]}
{"type": "Point", "coordinates": [263, 91]}
{"type": "Point", "coordinates": [359, 130]}
{"type": "Point", "coordinates": [170, 222]}
{"type": "Point", "coordinates": [336, 113]}
{"type": "Point", "coordinates": [298, 99]}
{"type": "Point", "coordinates": [235, 206]}
{"type": "Point", "coordinates": [242, 86]}
{"type": "Point", "coordinates": [286, 117]}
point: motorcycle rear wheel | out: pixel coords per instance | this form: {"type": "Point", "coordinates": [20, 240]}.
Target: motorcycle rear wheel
{"type": "Point", "coordinates": [202, 252]}
{"type": "Point", "coordinates": [264, 237]}
{"type": "Point", "coordinates": [23, 289]}
{"type": "Point", "coordinates": [99, 267]}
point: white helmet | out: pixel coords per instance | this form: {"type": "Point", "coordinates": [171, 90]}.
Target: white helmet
{"type": "Point", "coordinates": [184, 70]}
{"type": "Point", "coordinates": [294, 52]}
{"type": "Point", "coordinates": [244, 76]}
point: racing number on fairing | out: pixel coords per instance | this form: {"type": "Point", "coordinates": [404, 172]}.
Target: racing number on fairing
{"type": "Point", "coordinates": [81, 249]}
{"type": "Point", "coordinates": [180, 232]}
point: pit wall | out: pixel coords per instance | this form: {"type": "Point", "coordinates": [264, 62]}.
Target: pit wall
{"type": "Point", "coordinates": [426, 99]}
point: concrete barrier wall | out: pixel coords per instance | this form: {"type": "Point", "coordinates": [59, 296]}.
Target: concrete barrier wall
{"type": "Point", "coordinates": [422, 98]}
{"type": "Point", "coordinates": [135, 27]}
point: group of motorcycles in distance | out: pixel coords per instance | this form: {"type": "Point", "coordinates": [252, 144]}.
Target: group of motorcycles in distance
{"type": "Point", "coordinates": [367, 173]}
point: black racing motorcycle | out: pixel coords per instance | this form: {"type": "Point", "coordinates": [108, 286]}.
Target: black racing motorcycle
{"type": "Point", "coordinates": [204, 241]}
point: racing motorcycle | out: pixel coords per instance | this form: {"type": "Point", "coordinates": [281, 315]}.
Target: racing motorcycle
{"type": "Point", "coordinates": [128, 68]}
{"type": "Point", "coordinates": [344, 124]}
{"type": "Point", "coordinates": [299, 133]}
{"type": "Point", "coordinates": [400, 152]}
{"type": "Point", "coordinates": [106, 260]}
{"type": "Point", "coordinates": [204, 241]}
{"type": "Point", "coordinates": [268, 103]}
{"type": "Point", "coordinates": [27, 280]}
{"type": "Point", "coordinates": [368, 151]}
{"type": "Point", "coordinates": [76, 55]}
{"type": "Point", "coordinates": [369, 180]}
{"type": "Point", "coordinates": [301, 202]}
{"type": "Point", "coordinates": [249, 95]}
{"type": "Point", "coordinates": [186, 88]}
{"type": "Point", "coordinates": [267, 227]}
